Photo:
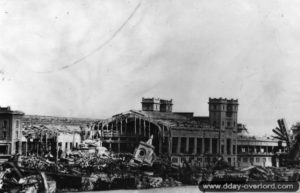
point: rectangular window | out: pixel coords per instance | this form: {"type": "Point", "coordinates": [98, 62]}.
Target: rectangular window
{"type": "Point", "coordinates": [199, 145]}
{"type": "Point", "coordinates": [4, 135]}
{"type": "Point", "coordinates": [183, 145]}
{"type": "Point", "coordinates": [5, 124]}
{"type": "Point", "coordinates": [245, 159]}
{"type": "Point", "coordinates": [228, 146]}
{"type": "Point", "coordinates": [17, 123]}
{"type": "Point", "coordinates": [3, 149]}
{"type": "Point", "coordinates": [214, 146]}
{"type": "Point", "coordinates": [257, 159]}
{"type": "Point", "coordinates": [229, 107]}
{"type": "Point", "coordinates": [233, 149]}
{"type": "Point", "coordinates": [239, 149]}
{"type": "Point", "coordinates": [229, 160]}
{"type": "Point", "coordinates": [174, 144]}
{"type": "Point", "coordinates": [165, 146]}
{"type": "Point", "coordinates": [228, 114]}
{"type": "Point", "coordinates": [191, 145]}
{"type": "Point", "coordinates": [206, 145]}
{"type": "Point", "coordinates": [251, 159]}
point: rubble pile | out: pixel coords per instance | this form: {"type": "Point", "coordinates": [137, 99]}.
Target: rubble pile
{"type": "Point", "coordinates": [82, 170]}
{"type": "Point", "coordinates": [87, 165]}
{"type": "Point", "coordinates": [86, 171]}
{"type": "Point", "coordinates": [13, 180]}
{"type": "Point", "coordinates": [256, 173]}
{"type": "Point", "coordinates": [89, 172]}
{"type": "Point", "coordinates": [38, 163]}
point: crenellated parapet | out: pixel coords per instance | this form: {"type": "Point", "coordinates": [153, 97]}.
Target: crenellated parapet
{"type": "Point", "coordinates": [223, 101]}
{"type": "Point", "coordinates": [157, 104]}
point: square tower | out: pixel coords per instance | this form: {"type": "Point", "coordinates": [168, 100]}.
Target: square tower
{"type": "Point", "coordinates": [166, 105]}
{"type": "Point", "coordinates": [156, 104]}
{"type": "Point", "coordinates": [150, 104]}
{"type": "Point", "coordinates": [223, 113]}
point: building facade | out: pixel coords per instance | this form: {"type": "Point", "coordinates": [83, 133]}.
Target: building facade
{"type": "Point", "coordinates": [11, 131]}
{"type": "Point", "coordinates": [183, 136]}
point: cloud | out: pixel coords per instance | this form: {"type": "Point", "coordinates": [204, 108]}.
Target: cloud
{"type": "Point", "coordinates": [184, 50]}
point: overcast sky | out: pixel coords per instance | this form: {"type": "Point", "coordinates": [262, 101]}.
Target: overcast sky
{"type": "Point", "coordinates": [87, 58]}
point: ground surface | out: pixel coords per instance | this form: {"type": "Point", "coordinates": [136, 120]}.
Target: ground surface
{"type": "Point", "coordinates": [182, 189]}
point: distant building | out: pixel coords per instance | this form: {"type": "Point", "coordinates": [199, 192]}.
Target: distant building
{"type": "Point", "coordinates": [11, 132]}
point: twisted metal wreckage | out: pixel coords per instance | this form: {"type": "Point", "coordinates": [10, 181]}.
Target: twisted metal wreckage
{"type": "Point", "coordinates": [122, 132]}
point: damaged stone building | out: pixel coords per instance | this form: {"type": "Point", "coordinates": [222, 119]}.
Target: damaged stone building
{"type": "Point", "coordinates": [50, 133]}
{"type": "Point", "coordinates": [35, 134]}
{"type": "Point", "coordinates": [10, 131]}
{"type": "Point", "coordinates": [183, 136]}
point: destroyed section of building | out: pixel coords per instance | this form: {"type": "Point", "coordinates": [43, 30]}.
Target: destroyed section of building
{"type": "Point", "coordinates": [184, 137]}
{"type": "Point", "coordinates": [33, 134]}
{"type": "Point", "coordinates": [43, 139]}
{"type": "Point", "coordinates": [66, 132]}
{"type": "Point", "coordinates": [53, 120]}
{"type": "Point", "coordinates": [124, 131]}
{"type": "Point", "coordinates": [10, 134]}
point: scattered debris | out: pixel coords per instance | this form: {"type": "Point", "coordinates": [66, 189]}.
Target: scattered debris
{"type": "Point", "coordinates": [92, 167]}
